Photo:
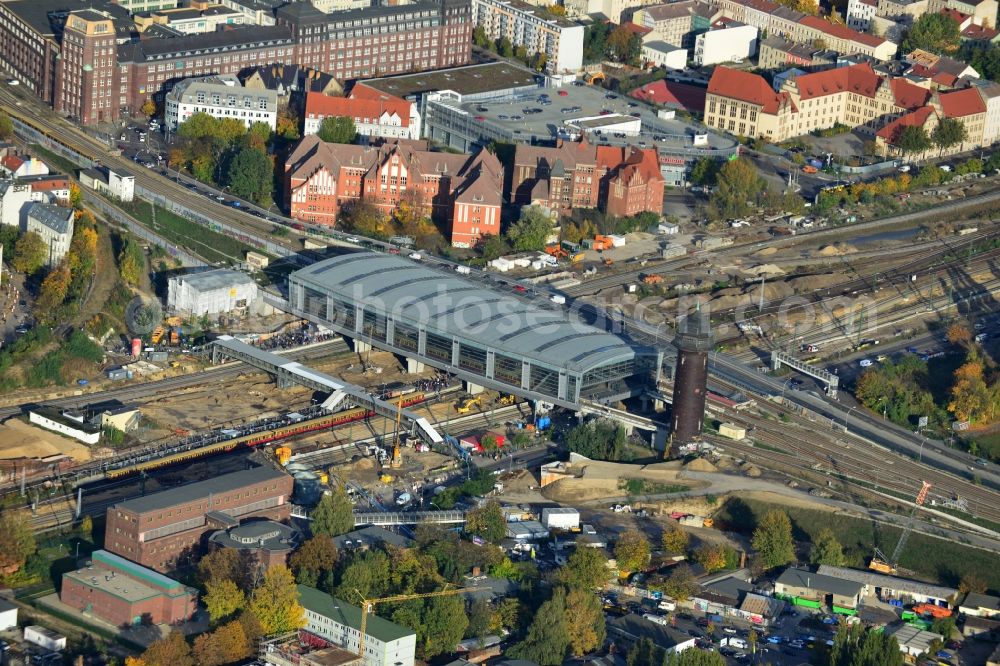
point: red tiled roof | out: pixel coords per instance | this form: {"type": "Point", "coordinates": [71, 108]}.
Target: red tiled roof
{"type": "Point", "coordinates": [860, 79]}
{"type": "Point", "coordinates": [736, 84]}
{"type": "Point", "coordinates": [765, 6]}
{"type": "Point", "coordinates": [688, 97]}
{"type": "Point", "coordinates": [980, 33]}
{"type": "Point", "coordinates": [841, 31]}
{"type": "Point", "coordinates": [961, 103]}
{"type": "Point", "coordinates": [908, 95]}
{"type": "Point", "coordinates": [915, 118]}
{"type": "Point", "coordinates": [12, 162]}
{"type": "Point", "coordinates": [636, 29]}
{"type": "Point", "coordinates": [944, 79]}
{"type": "Point", "coordinates": [318, 104]}
{"type": "Point", "coordinates": [958, 16]}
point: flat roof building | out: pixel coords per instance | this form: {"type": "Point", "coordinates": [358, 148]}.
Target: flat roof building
{"type": "Point", "coordinates": [211, 292]}
{"type": "Point", "coordinates": [807, 588]}
{"type": "Point", "coordinates": [270, 542]}
{"type": "Point", "coordinates": [888, 588]}
{"type": "Point", "coordinates": [221, 96]}
{"type": "Point", "coordinates": [485, 336]}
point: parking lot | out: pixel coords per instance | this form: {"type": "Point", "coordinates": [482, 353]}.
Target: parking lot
{"type": "Point", "coordinates": [143, 144]}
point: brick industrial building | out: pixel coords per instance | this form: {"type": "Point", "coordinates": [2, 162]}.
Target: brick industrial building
{"type": "Point", "coordinates": [157, 529]}
{"type": "Point", "coordinates": [618, 180]}
{"type": "Point", "coordinates": [463, 189]}
{"type": "Point", "coordinates": [122, 592]}
{"type": "Point", "coordinates": [91, 64]}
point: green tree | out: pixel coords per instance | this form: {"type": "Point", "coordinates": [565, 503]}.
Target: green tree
{"type": "Point", "coordinates": [949, 132]}
{"type": "Point", "coordinates": [6, 126]}
{"type": "Point", "coordinates": [480, 619]}
{"type": "Point", "coordinates": [444, 624]}
{"type": "Point", "coordinates": [313, 559]}
{"type": "Point", "coordinates": [493, 246]}
{"type": "Point", "coordinates": [586, 569]}
{"type": "Point", "coordinates": [258, 136]}
{"type": "Point", "coordinates": [8, 238]}
{"type": "Point", "coordinates": [737, 188]}
{"type": "Point", "coordinates": [531, 231]}
{"type": "Point", "coordinates": [773, 539]}
{"type": "Point", "coordinates": [223, 600]}
{"type": "Point", "coordinates": [584, 622]}
{"type": "Point", "coordinates": [547, 640]}
{"type": "Point", "coordinates": [337, 129]}
{"type": "Point", "coordinates": [704, 171]}
{"type": "Point", "coordinates": [694, 658]}
{"type": "Point", "coordinates": [17, 540]}
{"type": "Point", "coordinates": [487, 522]}
{"type": "Point", "coordinates": [173, 650]}
{"type": "Point", "coordinates": [600, 440]}
{"type": "Point", "coordinates": [674, 539]}
{"type": "Point", "coordinates": [944, 626]}
{"type": "Point", "coordinates": [334, 514]}
{"type": "Point", "coordinates": [481, 39]}
{"type": "Point", "coordinates": [827, 550]}
{"type": "Point", "coordinates": [250, 175]}
{"type": "Point", "coordinates": [938, 33]}
{"type": "Point", "coordinates": [275, 603]}
{"type": "Point", "coordinates": [645, 653]}
{"type": "Point", "coordinates": [30, 253]}
{"type": "Point", "coordinates": [131, 261]}
{"type": "Point", "coordinates": [856, 645]}
{"type": "Point", "coordinates": [367, 574]}
{"type": "Point", "coordinates": [632, 551]}
{"type": "Point", "coordinates": [505, 48]}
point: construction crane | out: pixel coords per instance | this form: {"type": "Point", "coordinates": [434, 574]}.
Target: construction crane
{"type": "Point", "coordinates": [887, 565]}
{"type": "Point", "coordinates": [368, 606]}
{"type": "Point", "coordinates": [397, 458]}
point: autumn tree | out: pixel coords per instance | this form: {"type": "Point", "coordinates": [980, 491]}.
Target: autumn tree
{"type": "Point", "coordinates": [75, 196]}
{"type": "Point", "coordinates": [275, 603]}
{"type": "Point", "coordinates": [737, 187]}
{"type": "Point", "coordinates": [148, 108]}
{"type": "Point", "coordinates": [334, 515]}
{"type": "Point", "coordinates": [674, 539]}
{"type": "Point", "coordinates": [958, 334]}
{"type": "Point", "coordinates": [826, 549]}
{"type": "Point", "coordinates": [53, 291]}
{"type": "Point", "coordinates": [632, 551]}
{"type": "Point", "coordinates": [711, 556]}
{"type": "Point", "coordinates": [131, 261]}
{"type": "Point", "coordinates": [624, 46]}
{"type": "Point", "coordinates": [680, 584]}
{"type": "Point", "coordinates": [972, 582]}
{"type": "Point", "coordinates": [314, 559]}
{"type": "Point", "coordinates": [487, 522]}
{"type": "Point", "coordinates": [586, 568]}
{"type": "Point", "coordinates": [584, 622]}
{"type": "Point", "coordinates": [172, 650]}
{"type": "Point", "coordinates": [30, 253]}
{"type": "Point", "coordinates": [223, 599]}
{"type": "Point", "coordinates": [287, 126]}
{"type": "Point", "coordinates": [971, 398]}
{"type": "Point", "coordinates": [82, 255]}
{"type": "Point", "coordinates": [228, 644]}
{"type": "Point", "coordinates": [17, 540]}
{"type": "Point", "coordinates": [337, 129]}
{"type": "Point", "coordinates": [224, 564]}
{"type": "Point", "coordinates": [364, 218]}
{"type": "Point", "coordinates": [773, 539]}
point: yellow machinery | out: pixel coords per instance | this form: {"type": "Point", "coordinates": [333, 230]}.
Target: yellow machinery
{"type": "Point", "coordinates": [397, 458]}
{"type": "Point", "coordinates": [284, 454]}
{"type": "Point", "coordinates": [887, 565]}
{"type": "Point", "coordinates": [368, 606]}
{"type": "Point", "coordinates": [468, 404]}
{"type": "Point", "coordinates": [506, 399]}
{"type": "Point", "coordinates": [158, 333]}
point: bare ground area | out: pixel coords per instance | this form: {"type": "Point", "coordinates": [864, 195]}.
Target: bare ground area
{"type": "Point", "coordinates": [24, 440]}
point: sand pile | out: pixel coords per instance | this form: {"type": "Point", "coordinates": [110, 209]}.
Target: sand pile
{"type": "Point", "coordinates": [835, 250]}
{"type": "Point", "coordinates": [700, 465]}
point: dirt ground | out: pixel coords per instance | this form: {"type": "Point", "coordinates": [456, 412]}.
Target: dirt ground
{"type": "Point", "coordinates": [24, 440]}
{"type": "Point", "coordinates": [599, 480]}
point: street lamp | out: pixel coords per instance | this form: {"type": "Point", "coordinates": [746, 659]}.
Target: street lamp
{"type": "Point", "coordinates": [847, 416]}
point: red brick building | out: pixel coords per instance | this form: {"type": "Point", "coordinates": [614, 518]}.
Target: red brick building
{"type": "Point", "coordinates": [267, 541]}
{"type": "Point", "coordinates": [158, 529]}
{"type": "Point", "coordinates": [463, 190]}
{"type": "Point", "coordinates": [618, 180]}
{"type": "Point", "coordinates": [121, 592]}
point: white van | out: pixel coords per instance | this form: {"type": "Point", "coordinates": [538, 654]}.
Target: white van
{"type": "Point", "coordinates": [658, 619]}
{"type": "Point", "coordinates": [464, 270]}
{"type": "Point", "coordinates": [667, 605]}
{"type": "Point", "coordinates": [734, 642]}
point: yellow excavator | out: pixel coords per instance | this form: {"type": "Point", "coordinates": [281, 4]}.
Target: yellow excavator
{"type": "Point", "coordinates": [466, 406]}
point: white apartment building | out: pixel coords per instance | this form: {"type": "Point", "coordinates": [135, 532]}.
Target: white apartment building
{"type": "Point", "coordinates": [55, 225]}
{"type": "Point", "coordinates": [14, 198]}
{"type": "Point", "coordinates": [119, 185]}
{"type": "Point", "coordinates": [726, 41]}
{"type": "Point", "coordinates": [386, 643]}
{"type": "Point", "coordinates": [534, 29]}
{"type": "Point", "coordinates": [860, 14]}
{"type": "Point", "coordinates": [190, 21]}
{"type": "Point", "coordinates": [991, 95]}
{"type": "Point", "coordinates": [220, 96]}
{"type": "Point", "coordinates": [662, 54]}
{"type": "Point", "coordinates": [211, 292]}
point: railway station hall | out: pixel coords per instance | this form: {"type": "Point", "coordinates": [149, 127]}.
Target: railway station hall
{"type": "Point", "coordinates": [484, 333]}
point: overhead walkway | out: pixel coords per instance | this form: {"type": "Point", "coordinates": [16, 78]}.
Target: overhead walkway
{"type": "Point", "coordinates": [388, 519]}
{"type": "Point", "coordinates": [621, 416]}
{"type": "Point", "coordinates": [831, 380]}
{"type": "Point", "coordinates": [288, 373]}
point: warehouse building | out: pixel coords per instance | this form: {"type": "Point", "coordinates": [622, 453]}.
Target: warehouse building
{"type": "Point", "coordinates": [487, 337]}
{"type": "Point", "coordinates": [802, 587]}
{"type": "Point", "coordinates": [121, 592]}
{"type": "Point", "coordinates": [157, 529]}
{"type": "Point", "coordinates": [893, 588]}
{"type": "Point", "coordinates": [338, 623]}
{"type": "Point", "coordinates": [211, 292]}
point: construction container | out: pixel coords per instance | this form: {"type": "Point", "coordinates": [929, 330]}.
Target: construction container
{"type": "Point", "coordinates": [561, 518]}
{"type": "Point", "coordinates": [45, 638]}
{"type": "Point", "coordinates": [117, 374]}
{"type": "Point", "coordinates": [136, 347]}
{"type": "Point", "coordinates": [732, 431]}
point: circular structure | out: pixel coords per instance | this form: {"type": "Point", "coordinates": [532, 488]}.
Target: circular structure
{"type": "Point", "coordinates": [143, 315]}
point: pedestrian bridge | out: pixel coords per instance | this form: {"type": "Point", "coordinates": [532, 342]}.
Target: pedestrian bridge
{"type": "Point", "coordinates": [390, 518]}
{"type": "Point", "coordinates": [829, 379]}
{"type": "Point", "coordinates": [287, 373]}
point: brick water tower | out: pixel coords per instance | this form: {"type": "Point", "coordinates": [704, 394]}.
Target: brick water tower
{"type": "Point", "coordinates": [693, 342]}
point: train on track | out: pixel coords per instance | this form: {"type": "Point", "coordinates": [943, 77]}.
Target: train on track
{"type": "Point", "coordinates": [256, 439]}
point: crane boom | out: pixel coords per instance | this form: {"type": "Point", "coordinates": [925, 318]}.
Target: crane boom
{"type": "Point", "coordinates": [368, 606]}
{"type": "Point", "coordinates": [905, 536]}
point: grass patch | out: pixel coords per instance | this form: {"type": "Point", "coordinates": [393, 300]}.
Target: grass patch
{"type": "Point", "coordinates": [941, 560]}
{"type": "Point", "coordinates": [64, 164]}
{"type": "Point", "coordinates": [646, 487]}
{"type": "Point", "coordinates": [767, 447]}
{"type": "Point", "coordinates": [202, 241]}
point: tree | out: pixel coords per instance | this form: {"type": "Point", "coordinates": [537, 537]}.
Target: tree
{"type": "Point", "coordinates": [674, 539]}
{"type": "Point", "coordinates": [505, 48]}
{"type": "Point", "coordinates": [250, 175]}
{"type": "Point", "coordinates": [334, 515]}
{"type": "Point", "coordinates": [737, 187]}
{"type": "Point", "coordinates": [257, 136]}
{"type": "Point", "coordinates": [584, 622]}
{"type": "Point", "coordinates": [972, 582]}
{"type": "Point", "coordinates": [704, 171]}
{"type": "Point", "coordinates": [480, 619]}
{"type": "Point", "coordinates": [337, 129]}
{"type": "Point", "coordinates": [621, 45]}
{"type": "Point", "coordinates": [944, 626]}
{"type": "Point", "coordinates": [17, 540]}
{"type": "Point", "coordinates": [487, 522]}
{"type": "Point", "coordinates": [148, 108]}
{"type": "Point", "coordinates": [86, 528]}
{"type": "Point", "coordinates": [912, 140]}
{"type": "Point", "coordinates": [314, 558]}
{"type": "Point", "coordinates": [971, 398]}
{"type": "Point", "coordinates": [30, 253]}
{"type": "Point", "coordinates": [694, 658]}
{"type": "Point", "coordinates": [556, 9]}
{"type": "Point", "coordinates": [226, 645]}
{"type": "Point", "coordinates": [938, 33]}
{"type": "Point", "coordinates": [53, 291]}
{"type": "Point", "coordinates": [547, 640]}
{"type": "Point", "coordinates": [444, 624]}
{"type": "Point", "coordinates": [600, 440]}
{"type": "Point", "coordinates": [223, 600]}
{"type": "Point", "coordinates": [856, 645]}
{"type": "Point", "coordinates": [223, 564]}
{"type": "Point", "coordinates": [173, 650]}
{"type": "Point", "coordinates": [364, 218]}
{"type": "Point", "coordinates": [949, 132]}
{"type": "Point", "coordinates": [827, 550]}
{"type": "Point", "coordinates": [711, 556]}
{"type": "Point", "coordinates": [287, 126]}
{"type": "Point", "coordinates": [481, 39]}
{"type": "Point", "coordinates": [275, 603]}
{"type": "Point", "coordinates": [6, 126]}
{"type": "Point", "coordinates": [368, 575]}
{"type": "Point", "coordinates": [493, 246]}
{"type": "Point", "coordinates": [531, 231]}
{"type": "Point", "coordinates": [131, 261]}
{"type": "Point", "coordinates": [632, 551]}
{"type": "Point", "coordinates": [586, 568]}
{"type": "Point", "coordinates": [773, 539]}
